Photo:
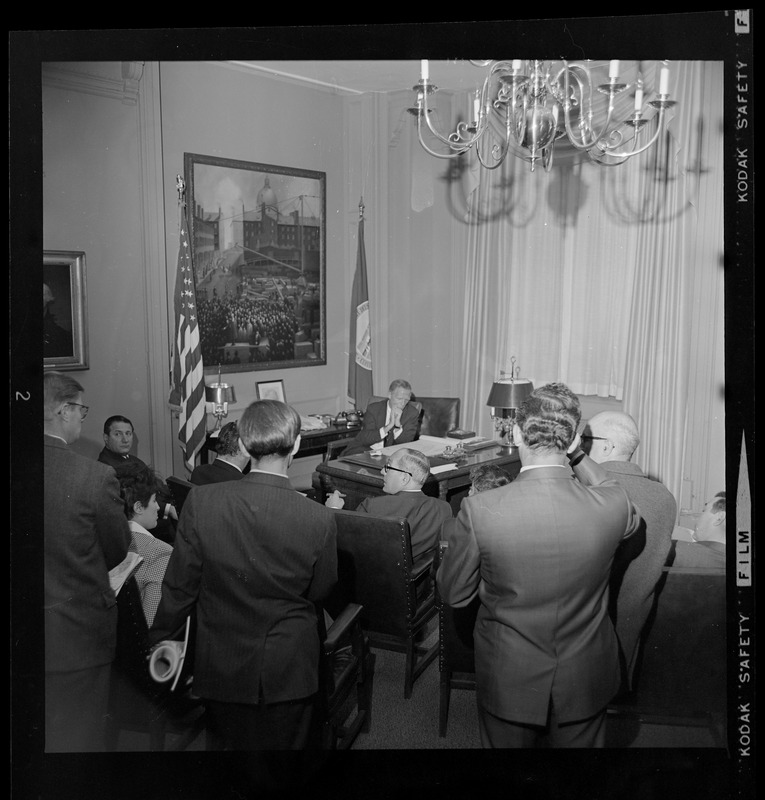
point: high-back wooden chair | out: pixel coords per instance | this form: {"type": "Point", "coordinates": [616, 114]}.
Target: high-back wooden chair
{"type": "Point", "coordinates": [346, 668]}
{"type": "Point", "coordinates": [375, 569]}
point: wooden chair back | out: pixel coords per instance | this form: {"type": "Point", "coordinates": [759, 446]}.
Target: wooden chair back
{"type": "Point", "coordinates": [375, 570]}
{"type": "Point", "coordinates": [180, 489]}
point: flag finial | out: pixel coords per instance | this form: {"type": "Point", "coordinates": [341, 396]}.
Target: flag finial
{"type": "Point", "coordinates": [180, 185]}
{"type": "Point", "coordinates": [361, 208]}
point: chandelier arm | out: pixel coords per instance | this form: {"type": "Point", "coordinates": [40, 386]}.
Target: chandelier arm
{"type": "Point", "coordinates": [455, 154]}
{"type": "Point", "coordinates": [582, 144]}
{"type": "Point", "coordinates": [633, 152]}
{"type": "Point", "coordinates": [454, 140]}
{"type": "Point", "coordinates": [503, 147]}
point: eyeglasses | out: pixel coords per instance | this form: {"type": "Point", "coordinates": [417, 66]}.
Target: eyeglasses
{"type": "Point", "coordinates": [83, 409]}
{"type": "Point", "coordinates": [591, 438]}
{"type": "Point", "coordinates": [387, 467]}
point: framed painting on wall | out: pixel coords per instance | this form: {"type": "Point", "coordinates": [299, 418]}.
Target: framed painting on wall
{"type": "Point", "coordinates": [65, 331]}
{"type": "Point", "coordinates": [258, 243]}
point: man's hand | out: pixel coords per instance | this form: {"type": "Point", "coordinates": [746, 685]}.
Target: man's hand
{"type": "Point", "coordinates": [335, 500]}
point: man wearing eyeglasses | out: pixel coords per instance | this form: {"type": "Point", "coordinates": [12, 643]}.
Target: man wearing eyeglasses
{"type": "Point", "coordinates": [86, 534]}
{"type": "Point", "coordinates": [611, 438]}
{"type": "Point", "coordinates": [404, 474]}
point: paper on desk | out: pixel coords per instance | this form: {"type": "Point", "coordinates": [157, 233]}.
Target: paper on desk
{"type": "Point", "coordinates": [427, 445]}
{"type": "Point", "coordinates": [442, 468]}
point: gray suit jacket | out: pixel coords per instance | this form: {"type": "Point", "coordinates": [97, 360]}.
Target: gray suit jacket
{"type": "Point", "coordinates": [538, 552]}
{"type": "Point", "coordinates": [86, 534]}
{"type": "Point", "coordinates": [638, 562]}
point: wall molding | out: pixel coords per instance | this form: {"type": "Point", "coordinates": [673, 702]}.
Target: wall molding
{"type": "Point", "coordinates": [89, 81]}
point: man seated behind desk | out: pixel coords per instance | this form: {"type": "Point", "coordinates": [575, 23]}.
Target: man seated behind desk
{"type": "Point", "coordinates": [231, 463]}
{"type": "Point", "coordinates": [387, 422]}
{"type": "Point", "coordinates": [404, 474]}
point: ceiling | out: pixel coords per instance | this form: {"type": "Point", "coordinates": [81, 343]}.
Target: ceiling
{"type": "Point", "coordinates": [360, 77]}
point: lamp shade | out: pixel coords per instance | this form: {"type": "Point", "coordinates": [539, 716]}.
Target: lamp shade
{"type": "Point", "coordinates": [220, 393]}
{"type": "Point", "coordinates": [510, 393]}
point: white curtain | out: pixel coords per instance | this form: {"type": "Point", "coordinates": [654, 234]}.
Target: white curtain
{"type": "Point", "coordinates": [584, 273]}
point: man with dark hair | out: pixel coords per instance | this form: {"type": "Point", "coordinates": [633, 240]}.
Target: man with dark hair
{"type": "Point", "coordinates": [231, 463]}
{"type": "Point", "coordinates": [118, 441]}
{"type": "Point", "coordinates": [267, 554]}
{"type": "Point", "coordinates": [387, 422]}
{"type": "Point", "coordinates": [487, 476]}
{"type": "Point", "coordinates": [86, 535]}
{"type": "Point", "coordinates": [538, 553]}
{"type": "Point", "coordinates": [611, 438]}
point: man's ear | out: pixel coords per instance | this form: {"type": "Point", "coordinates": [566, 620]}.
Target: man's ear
{"type": "Point", "coordinates": [719, 518]}
{"type": "Point", "coordinates": [138, 507]}
{"type": "Point", "coordinates": [296, 447]}
{"type": "Point", "coordinates": [577, 441]}
{"type": "Point", "coordinates": [517, 435]}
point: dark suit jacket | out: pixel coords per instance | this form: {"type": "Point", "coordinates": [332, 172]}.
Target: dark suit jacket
{"type": "Point", "coordinates": [217, 472]}
{"type": "Point", "coordinates": [538, 552]}
{"type": "Point", "coordinates": [253, 555]}
{"type": "Point", "coordinates": [425, 515]}
{"type": "Point", "coordinates": [374, 419]}
{"type": "Point", "coordinates": [86, 535]}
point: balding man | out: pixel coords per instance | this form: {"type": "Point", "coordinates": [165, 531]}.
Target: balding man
{"type": "Point", "coordinates": [611, 437]}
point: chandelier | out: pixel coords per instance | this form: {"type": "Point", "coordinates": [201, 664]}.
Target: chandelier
{"type": "Point", "coordinates": [525, 107]}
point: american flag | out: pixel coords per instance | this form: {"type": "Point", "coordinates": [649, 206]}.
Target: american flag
{"type": "Point", "coordinates": [188, 385]}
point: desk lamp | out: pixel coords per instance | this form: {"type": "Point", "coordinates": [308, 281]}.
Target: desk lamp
{"type": "Point", "coordinates": [505, 397]}
{"type": "Point", "coordinates": [220, 395]}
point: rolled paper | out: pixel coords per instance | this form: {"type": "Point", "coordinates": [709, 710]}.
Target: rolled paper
{"type": "Point", "coordinates": [424, 69]}
{"type": "Point", "coordinates": [613, 69]}
{"type": "Point", "coordinates": [165, 660]}
{"type": "Point", "coordinates": [664, 81]}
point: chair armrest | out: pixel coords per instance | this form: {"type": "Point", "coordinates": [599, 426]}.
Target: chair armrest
{"type": "Point", "coordinates": [341, 625]}
{"type": "Point", "coordinates": [424, 565]}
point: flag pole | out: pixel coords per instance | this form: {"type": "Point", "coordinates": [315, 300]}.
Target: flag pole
{"type": "Point", "coordinates": [188, 385]}
{"type": "Point", "coordinates": [360, 344]}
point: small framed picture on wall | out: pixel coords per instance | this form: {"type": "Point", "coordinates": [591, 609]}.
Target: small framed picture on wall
{"type": "Point", "coordinates": [270, 390]}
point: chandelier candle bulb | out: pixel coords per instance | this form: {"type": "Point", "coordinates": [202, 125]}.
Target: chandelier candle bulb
{"type": "Point", "coordinates": [613, 69]}
{"type": "Point", "coordinates": [638, 99]}
{"type": "Point", "coordinates": [476, 107]}
{"type": "Point", "coordinates": [664, 81]}
{"type": "Point", "coordinates": [516, 65]}
{"type": "Point", "coordinates": [424, 69]}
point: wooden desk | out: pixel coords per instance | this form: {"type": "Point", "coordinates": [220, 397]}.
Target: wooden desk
{"type": "Point", "coordinates": [357, 482]}
{"type": "Point", "coordinates": [312, 443]}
